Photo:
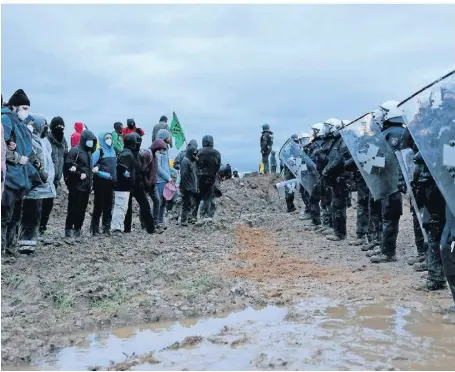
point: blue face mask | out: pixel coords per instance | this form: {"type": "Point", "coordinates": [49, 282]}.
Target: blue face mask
{"type": "Point", "coordinates": [89, 143]}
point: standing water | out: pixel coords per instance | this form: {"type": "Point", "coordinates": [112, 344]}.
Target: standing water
{"type": "Point", "coordinates": [314, 335]}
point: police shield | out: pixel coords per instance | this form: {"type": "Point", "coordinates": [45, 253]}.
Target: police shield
{"type": "Point", "coordinates": [300, 164]}
{"type": "Point", "coordinates": [286, 187]}
{"type": "Point", "coordinates": [406, 162]}
{"type": "Point", "coordinates": [374, 157]}
{"type": "Point", "coordinates": [430, 116]}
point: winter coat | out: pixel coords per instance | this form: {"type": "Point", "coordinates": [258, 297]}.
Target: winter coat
{"type": "Point", "coordinates": [59, 152]}
{"type": "Point", "coordinates": [80, 157]}
{"type": "Point", "coordinates": [127, 130]}
{"type": "Point", "coordinates": [182, 154]}
{"type": "Point", "coordinates": [266, 142]}
{"type": "Point", "coordinates": [126, 165]}
{"type": "Point", "coordinates": [3, 144]}
{"type": "Point", "coordinates": [158, 127]}
{"type": "Point", "coordinates": [150, 163]}
{"type": "Point", "coordinates": [47, 189]}
{"type": "Point", "coordinates": [76, 136]}
{"type": "Point", "coordinates": [209, 159]}
{"type": "Point", "coordinates": [105, 159]}
{"type": "Point", "coordinates": [188, 171]}
{"type": "Point", "coordinates": [164, 168]}
{"type": "Point", "coordinates": [117, 142]}
{"type": "Point", "coordinates": [20, 178]}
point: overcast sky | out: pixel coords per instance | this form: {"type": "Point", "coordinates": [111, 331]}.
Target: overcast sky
{"type": "Point", "coordinates": [224, 69]}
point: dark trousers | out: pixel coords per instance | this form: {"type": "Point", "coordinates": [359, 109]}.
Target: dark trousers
{"type": "Point", "coordinates": [447, 253]}
{"type": "Point", "coordinates": [103, 203]}
{"type": "Point", "coordinates": [11, 215]}
{"type": "Point", "coordinates": [48, 204]}
{"type": "Point", "coordinates": [155, 202]}
{"type": "Point", "coordinates": [77, 205]}
{"type": "Point", "coordinates": [363, 198]}
{"type": "Point", "coordinates": [305, 198]}
{"type": "Point", "coordinates": [188, 204]}
{"type": "Point", "coordinates": [206, 196]}
{"type": "Point", "coordinates": [326, 203]}
{"type": "Point", "coordinates": [315, 209]}
{"type": "Point", "coordinates": [392, 209]}
{"type": "Point", "coordinates": [418, 234]}
{"type": "Point", "coordinates": [30, 219]}
{"type": "Point", "coordinates": [375, 220]}
{"type": "Point", "coordinates": [339, 194]}
{"type": "Point", "coordinates": [273, 169]}
{"type": "Point", "coordinates": [144, 207]}
{"type": "Point", "coordinates": [265, 161]}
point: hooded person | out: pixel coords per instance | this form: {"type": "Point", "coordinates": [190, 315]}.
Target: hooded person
{"type": "Point", "coordinates": [33, 200]}
{"type": "Point", "coordinates": [266, 143]}
{"type": "Point", "coordinates": [164, 174]}
{"type": "Point", "coordinates": [78, 176]}
{"type": "Point", "coordinates": [76, 136]}
{"type": "Point", "coordinates": [21, 176]}
{"type": "Point", "coordinates": [273, 163]}
{"type": "Point", "coordinates": [117, 137]}
{"type": "Point", "coordinates": [149, 166]}
{"type": "Point", "coordinates": [104, 167]}
{"type": "Point", "coordinates": [55, 137]}
{"type": "Point", "coordinates": [182, 154]}
{"type": "Point", "coordinates": [208, 165]}
{"type": "Point", "coordinates": [131, 128]}
{"type": "Point", "coordinates": [138, 192]}
{"type": "Point", "coordinates": [126, 174]}
{"type": "Point", "coordinates": [162, 124]}
{"type": "Point", "coordinates": [189, 185]}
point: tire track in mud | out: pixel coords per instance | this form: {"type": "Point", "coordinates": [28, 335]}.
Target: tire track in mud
{"type": "Point", "coordinates": [262, 259]}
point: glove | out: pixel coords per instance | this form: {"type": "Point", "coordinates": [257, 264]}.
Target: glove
{"type": "Point", "coordinates": [126, 174]}
{"type": "Point", "coordinates": [73, 168]}
{"type": "Point", "coordinates": [83, 176]}
{"type": "Point", "coordinates": [324, 172]}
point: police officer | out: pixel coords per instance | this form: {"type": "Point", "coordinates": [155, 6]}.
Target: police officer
{"type": "Point", "coordinates": [288, 175]}
{"type": "Point", "coordinates": [392, 205]}
{"type": "Point", "coordinates": [266, 143]}
{"type": "Point", "coordinates": [335, 176]}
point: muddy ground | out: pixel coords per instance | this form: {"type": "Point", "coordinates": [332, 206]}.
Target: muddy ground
{"type": "Point", "coordinates": [253, 253]}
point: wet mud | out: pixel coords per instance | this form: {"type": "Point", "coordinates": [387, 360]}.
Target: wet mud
{"type": "Point", "coordinates": [60, 304]}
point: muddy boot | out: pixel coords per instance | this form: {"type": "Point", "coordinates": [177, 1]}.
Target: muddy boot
{"type": "Point", "coordinates": [420, 266]}
{"type": "Point", "coordinates": [291, 209]}
{"type": "Point", "coordinates": [329, 231]}
{"type": "Point", "coordinates": [184, 223]}
{"type": "Point", "coordinates": [69, 233]}
{"type": "Point", "coordinates": [382, 258]}
{"type": "Point", "coordinates": [334, 238]}
{"type": "Point", "coordinates": [305, 217]}
{"type": "Point", "coordinates": [116, 233]}
{"type": "Point", "coordinates": [361, 240]}
{"type": "Point", "coordinates": [78, 235]}
{"type": "Point", "coordinates": [26, 246]}
{"type": "Point", "coordinates": [429, 285]}
{"type": "Point", "coordinates": [375, 252]}
{"type": "Point", "coordinates": [107, 230]}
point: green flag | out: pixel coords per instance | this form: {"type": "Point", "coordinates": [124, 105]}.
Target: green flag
{"type": "Point", "coordinates": [177, 132]}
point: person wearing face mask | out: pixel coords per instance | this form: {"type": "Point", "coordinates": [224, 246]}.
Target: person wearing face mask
{"type": "Point", "coordinates": [117, 138]}
{"type": "Point", "coordinates": [76, 136]}
{"type": "Point", "coordinates": [21, 176]}
{"type": "Point", "coordinates": [104, 168]}
{"type": "Point", "coordinates": [33, 201]}
{"type": "Point", "coordinates": [188, 186]}
{"type": "Point", "coordinates": [164, 174]}
{"type": "Point", "coordinates": [131, 128]}
{"type": "Point", "coordinates": [78, 175]}
{"type": "Point", "coordinates": [138, 192]}
{"type": "Point", "coordinates": [55, 137]}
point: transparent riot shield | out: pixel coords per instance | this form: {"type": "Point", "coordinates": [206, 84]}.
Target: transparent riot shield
{"type": "Point", "coordinates": [374, 157]}
{"type": "Point", "coordinates": [300, 164]}
{"type": "Point", "coordinates": [286, 186]}
{"type": "Point", "coordinates": [430, 116]}
{"type": "Point", "coordinates": [406, 161]}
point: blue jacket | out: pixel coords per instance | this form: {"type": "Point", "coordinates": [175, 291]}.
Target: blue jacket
{"type": "Point", "coordinates": [20, 178]}
{"type": "Point", "coordinates": [164, 169]}
{"type": "Point", "coordinates": [106, 159]}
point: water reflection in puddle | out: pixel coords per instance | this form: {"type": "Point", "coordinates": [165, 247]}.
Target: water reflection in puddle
{"type": "Point", "coordinates": [315, 335]}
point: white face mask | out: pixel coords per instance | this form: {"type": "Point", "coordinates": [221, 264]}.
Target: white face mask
{"type": "Point", "coordinates": [30, 127]}
{"type": "Point", "coordinates": [22, 112]}
{"type": "Point", "coordinates": [108, 141]}
{"type": "Point", "coordinates": [89, 143]}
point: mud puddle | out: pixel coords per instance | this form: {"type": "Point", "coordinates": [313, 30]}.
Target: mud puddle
{"type": "Point", "coordinates": [317, 334]}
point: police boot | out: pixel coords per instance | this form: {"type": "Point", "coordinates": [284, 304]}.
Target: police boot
{"type": "Point", "coordinates": [329, 231]}
{"type": "Point", "coordinates": [95, 227]}
{"type": "Point", "coordinates": [69, 233]}
{"type": "Point", "coordinates": [420, 266]}
{"type": "Point", "coordinates": [375, 252]}
{"type": "Point", "coordinates": [361, 240]}
{"type": "Point", "coordinates": [382, 258]}
{"type": "Point", "coordinates": [335, 237]}
{"type": "Point", "coordinates": [429, 285]}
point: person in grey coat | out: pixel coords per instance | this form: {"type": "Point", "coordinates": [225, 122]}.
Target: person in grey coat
{"type": "Point", "coordinates": [161, 125]}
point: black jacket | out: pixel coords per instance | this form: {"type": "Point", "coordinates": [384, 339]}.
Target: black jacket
{"type": "Point", "coordinates": [266, 142]}
{"type": "Point", "coordinates": [182, 154]}
{"type": "Point", "coordinates": [80, 157]}
{"type": "Point", "coordinates": [126, 161]}
{"type": "Point", "coordinates": [59, 152]}
{"type": "Point", "coordinates": [209, 159]}
{"type": "Point", "coordinates": [188, 171]}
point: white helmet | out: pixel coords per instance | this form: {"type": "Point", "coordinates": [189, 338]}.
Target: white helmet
{"type": "Point", "coordinates": [318, 129]}
{"type": "Point", "coordinates": [305, 135]}
{"type": "Point", "coordinates": [392, 111]}
{"type": "Point", "coordinates": [333, 124]}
